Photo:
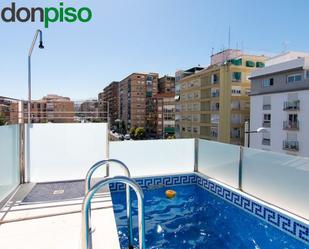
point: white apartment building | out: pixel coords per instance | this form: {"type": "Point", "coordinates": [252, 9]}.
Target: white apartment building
{"type": "Point", "coordinates": [280, 102]}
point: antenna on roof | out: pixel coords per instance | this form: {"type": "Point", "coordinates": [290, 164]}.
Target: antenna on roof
{"type": "Point", "coordinates": [212, 51]}
{"type": "Point", "coordinates": [229, 40]}
{"type": "Point", "coordinates": [285, 46]}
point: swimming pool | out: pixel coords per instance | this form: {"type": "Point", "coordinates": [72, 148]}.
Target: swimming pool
{"type": "Point", "coordinates": [196, 218]}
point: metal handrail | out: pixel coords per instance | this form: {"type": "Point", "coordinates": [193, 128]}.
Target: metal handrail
{"type": "Point", "coordinates": [128, 195]}
{"type": "Point", "coordinates": [86, 233]}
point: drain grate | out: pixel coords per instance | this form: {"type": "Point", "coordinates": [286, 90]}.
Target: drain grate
{"type": "Point", "coordinates": [58, 192]}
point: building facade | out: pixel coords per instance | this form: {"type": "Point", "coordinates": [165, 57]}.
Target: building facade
{"type": "Point", "coordinates": [166, 84]}
{"type": "Point", "coordinates": [280, 103]}
{"type": "Point", "coordinates": [135, 96]}
{"type": "Point", "coordinates": [110, 94]}
{"type": "Point", "coordinates": [51, 108]}
{"type": "Point", "coordinates": [215, 102]}
{"type": "Point", "coordinates": [164, 110]}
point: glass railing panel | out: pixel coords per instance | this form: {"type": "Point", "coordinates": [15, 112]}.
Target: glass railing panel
{"type": "Point", "coordinates": [219, 161]}
{"type": "Point", "coordinates": [278, 179]}
{"type": "Point", "coordinates": [155, 157]}
{"type": "Point", "coordinates": [9, 159]}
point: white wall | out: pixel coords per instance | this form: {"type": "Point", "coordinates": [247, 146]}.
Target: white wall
{"type": "Point", "coordinates": [278, 179]}
{"type": "Point", "coordinates": [278, 115]}
{"type": "Point", "coordinates": [219, 161]}
{"type": "Point", "coordinates": [64, 151]}
{"type": "Point", "coordinates": [155, 157]}
{"type": "Point", "coordinates": [9, 162]}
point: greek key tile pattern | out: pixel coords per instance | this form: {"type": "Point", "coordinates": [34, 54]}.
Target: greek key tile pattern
{"type": "Point", "coordinates": [162, 181]}
{"type": "Point", "coordinates": [283, 222]}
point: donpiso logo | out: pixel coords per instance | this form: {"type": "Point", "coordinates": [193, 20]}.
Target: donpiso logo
{"type": "Point", "coordinates": [45, 15]}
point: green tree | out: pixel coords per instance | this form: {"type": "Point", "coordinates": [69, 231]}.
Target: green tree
{"type": "Point", "coordinates": [139, 133]}
{"type": "Point", "coordinates": [2, 119]}
{"type": "Point", "coordinates": [132, 132]}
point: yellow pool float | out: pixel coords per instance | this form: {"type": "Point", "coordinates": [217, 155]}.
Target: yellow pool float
{"type": "Point", "coordinates": [170, 194]}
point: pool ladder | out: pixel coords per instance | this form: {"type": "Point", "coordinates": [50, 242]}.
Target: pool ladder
{"type": "Point", "coordinates": [90, 192]}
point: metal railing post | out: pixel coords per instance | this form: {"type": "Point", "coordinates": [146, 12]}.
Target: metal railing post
{"type": "Point", "coordinates": [240, 168]}
{"type": "Point", "coordinates": [196, 154]}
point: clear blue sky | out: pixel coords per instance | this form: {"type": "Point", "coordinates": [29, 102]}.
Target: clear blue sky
{"type": "Point", "coordinates": [141, 35]}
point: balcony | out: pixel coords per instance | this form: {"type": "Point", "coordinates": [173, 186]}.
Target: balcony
{"type": "Point", "coordinates": [288, 125]}
{"type": "Point", "coordinates": [266, 124]}
{"type": "Point", "coordinates": [266, 141]}
{"type": "Point", "coordinates": [291, 145]}
{"type": "Point", "coordinates": [267, 107]}
{"type": "Point", "coordinates": [291, 105]}
{"type": "Point", "coordinates": [215, 94]}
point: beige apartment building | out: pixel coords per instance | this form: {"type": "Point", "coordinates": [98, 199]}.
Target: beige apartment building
{"type": "Point", "coordinates": [135, 96]}
{"type": "Point", "coordinates": [214, 102]}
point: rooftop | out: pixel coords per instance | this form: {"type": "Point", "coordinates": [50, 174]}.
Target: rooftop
{"type": "Point", "coordinates": [42, 199]}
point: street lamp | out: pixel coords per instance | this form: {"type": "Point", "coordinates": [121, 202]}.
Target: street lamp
{"type": "Point", "coordinates": [38, 32]}
{"type": "Point", "coordinates": [247, 132]}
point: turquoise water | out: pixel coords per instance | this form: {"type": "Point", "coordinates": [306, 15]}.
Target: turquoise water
{"type": "Point", "coordinates": [196, 218]}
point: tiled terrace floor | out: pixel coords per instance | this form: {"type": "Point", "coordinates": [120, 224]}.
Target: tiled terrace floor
{"type": "Point", "coordinates": [37, 220]}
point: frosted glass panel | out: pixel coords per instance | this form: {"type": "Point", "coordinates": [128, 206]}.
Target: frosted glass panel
{"type": "Point", "coordinates": [155, 157]}
{"type": "Point", "coordinates": [219, 161]}
{"type": "Point", "coordinates": [58, 152]}
{"type": "Point", "coordinates": [280, 179]}
{"type": "Point", "coordinates": [9, 159]}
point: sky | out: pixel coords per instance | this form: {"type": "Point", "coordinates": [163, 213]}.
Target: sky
{"type": "Point", "coordinates": [126, 36]}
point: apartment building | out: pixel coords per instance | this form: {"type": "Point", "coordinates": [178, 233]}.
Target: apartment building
{"type": "Point", "coordinates": [110, 95]}
{"type": "Point", "coordinates": [214, 102]}
{"type": "Point", "coordinates": [164, 114]}
{"type": "Point", "coordinates": [166, 84]}
{"type": "Point", "coordinates": [88, 111]}
{"type": "Point", "coordinates": [280, 102]}
{"type": "Point", "coordinates": [8, 111]}
{"type": "Point", "coordinates": [51, 108]}
{"type": "Point", "coordinates": [135, 95]}
{"type": "Point", "coordinates": [180, 74]}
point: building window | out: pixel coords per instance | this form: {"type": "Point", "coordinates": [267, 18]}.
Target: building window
{"type": "Point", "coordinates": [268, 82]}
{"type": "Point", "coordinates": [307, 74]}
{"type": "Point", "coordinates": [214, 78]}
{"type": "Point", "coordinates": [293, 78]}
{"type": "Point", "coordinates": [236, 76]}
{"type": "Point", "coordinates": [250, 64]}
{"type": "Point", "coordinates": [260, 64]}
{"type": "Point", "coordinates": [267, 120]}
{"type": "Point", "coordinates": [267, 102]}
{"type": "Point", "coordinates": [266, 138]}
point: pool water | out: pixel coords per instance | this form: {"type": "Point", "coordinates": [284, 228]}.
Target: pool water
{"type": "Point", "coordinates": [196, 218]}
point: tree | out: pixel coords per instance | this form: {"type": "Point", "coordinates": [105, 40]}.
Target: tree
{"type": "Point", "coordinates": [2, 119]}
{"type": "Point", "coordinates": [139, 133]}
{"type": "Point", "coordinates": [132, 132]}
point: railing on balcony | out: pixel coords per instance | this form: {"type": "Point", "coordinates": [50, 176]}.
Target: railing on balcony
{"type": "Point", "coordinates": [291, 145]}
{"type": "Point", "coordinates": [291, 105]}
{"type": "Point", "coordinates": [288, 125]}
{"type": "Point", "coordinates": [215, 94]}
{"type": "Point", "coordinates": [266, 124]}
{"type": "Point", "coordinates": [266, 141]}
{"type": "Point", "coordinates": [267, 107]}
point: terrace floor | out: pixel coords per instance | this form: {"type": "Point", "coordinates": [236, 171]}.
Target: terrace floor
{"type": "Point", "coordinates": [47, 216]}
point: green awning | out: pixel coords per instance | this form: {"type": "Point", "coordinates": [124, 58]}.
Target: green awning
{"type": "Point", "coordinates": [169, 130]}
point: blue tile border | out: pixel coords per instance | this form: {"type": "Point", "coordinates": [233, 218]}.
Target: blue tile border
{"type": "Point", "coordinates": [281, 221]}
{"type": "Point", "coordinates": [162, 181]}
{"type": "Point", "coordinates": [275, 218]}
